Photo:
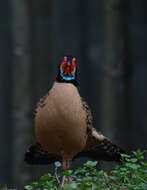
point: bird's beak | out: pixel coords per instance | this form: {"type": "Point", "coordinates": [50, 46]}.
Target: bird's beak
{"type": "Point", "coordinates": [68, 63]}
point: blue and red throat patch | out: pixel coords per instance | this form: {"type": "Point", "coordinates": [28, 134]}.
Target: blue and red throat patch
{"type": "Point", "coordinates": [67, 71]}
{"type": "Point", "coordinates": [68, 68]}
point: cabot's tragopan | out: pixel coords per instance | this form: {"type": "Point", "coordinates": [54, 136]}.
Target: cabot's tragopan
{"type": "Point", "coordinates": [63, 125]}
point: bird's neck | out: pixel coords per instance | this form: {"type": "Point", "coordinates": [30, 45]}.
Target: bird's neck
{"type": "Point", "coordinates": [59, 79]}
{"type": "Point", "coordinates": [63, 86]}
{"type": "Point", "coordinates": [66, 93]}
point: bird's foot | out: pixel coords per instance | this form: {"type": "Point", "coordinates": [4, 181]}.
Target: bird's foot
{"type": "Point", "coordinates": [69, 179]}
{"type": "Point", "coordinates": [63, 180]}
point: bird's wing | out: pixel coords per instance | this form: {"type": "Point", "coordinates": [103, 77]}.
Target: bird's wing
{"type": "Point", "coordinates": [98, 147]}
{"type": "Point", "coordinates": [89, 118]}
{"type": "Point", "coordinates": [41, 102]}
{"type": "Point", "coordinates": [36, 155]}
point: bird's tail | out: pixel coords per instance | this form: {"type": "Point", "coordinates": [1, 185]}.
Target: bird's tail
{"type": "Point", "coordinates": [37, 156]}
{"type": "Point", "coordinates": [105, 151]}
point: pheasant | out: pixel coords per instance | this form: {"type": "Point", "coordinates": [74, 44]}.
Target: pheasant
{"type": "Point", "coordinates": [64, 125]}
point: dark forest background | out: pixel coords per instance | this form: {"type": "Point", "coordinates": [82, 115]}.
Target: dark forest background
{"type": "Point", "coordinates": [109, 39]}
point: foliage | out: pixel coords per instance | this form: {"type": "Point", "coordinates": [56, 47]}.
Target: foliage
{"type": "Point", "coordinates": [130, 175]}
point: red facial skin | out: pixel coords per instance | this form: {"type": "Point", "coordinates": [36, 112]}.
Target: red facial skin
{"type": "Point", "coordinates": [68, 68]}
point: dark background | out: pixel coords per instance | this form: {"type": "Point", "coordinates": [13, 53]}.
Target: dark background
{"type": "Point", "coordinates": [109, 39]}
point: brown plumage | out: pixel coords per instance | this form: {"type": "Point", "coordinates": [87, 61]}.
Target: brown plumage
{"type": "Point", "coordinates": [64, 125]}
{"type": "Point", "coordinates": [97, 146]}
{"type": "Point", "coordinates": [60, 123]}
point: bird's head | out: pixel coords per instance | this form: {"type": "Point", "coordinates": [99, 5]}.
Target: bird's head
{"type": "Point", "coordinates": [67, 71]}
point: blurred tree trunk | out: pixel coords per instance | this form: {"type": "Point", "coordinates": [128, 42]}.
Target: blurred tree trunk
{"type": "Point", "coordinates": [111, 67]}
{"type": "Point", "coordinates": [5, 94]}
{"type": "Point", "coordinates": [126, 126]}
{"type": "Point", "coordinates": [114, 92]}
{"type": "Point", "coordinates": [22, 90]}
{"type": "Point", "coordinates": [139, 82]}
{"type": "Point", "coordinates": [42, 66]}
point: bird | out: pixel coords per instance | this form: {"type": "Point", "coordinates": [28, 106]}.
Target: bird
{"type": "Point", "coordinates": [64, 125]}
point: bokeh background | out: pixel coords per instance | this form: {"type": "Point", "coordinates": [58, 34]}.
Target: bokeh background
{"type": "Point", "coordinates": [109, 39]}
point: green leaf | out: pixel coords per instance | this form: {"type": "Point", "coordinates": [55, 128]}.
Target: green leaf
{"type": "Point", "coordinates": [123, 169]}
{"type": "Point", "coordinates": [91, 164]}
{"type": "Point", "coordinates": [46, 177]}
{"type": "Point", "coordinates": [58, 164]}
{"type": "Point", "coordinates": [144, 187]}
{"type": "Point", "coordinates": [73, 185]}
{"type": "Point", "coordinates": [101, 172]}
{"type": "Point", "coordinates": [70, 186]}
{"type": "Point", "coordinates": [139, 155]}
{"type": "Point", "coordinates": [80, 171]}
{"type": "Point", "coordinates": [132, 166]}
{"type": "Point", "coordinates": [133, 160]}
{"type": "Point", "coordinates": [68, 172]}
{"type": "Point", "coordinates": [28, 187]}
{"type": "Point", "coordinates": [125, 156]}
{"type": "Point", "coordinates": [35, 184]}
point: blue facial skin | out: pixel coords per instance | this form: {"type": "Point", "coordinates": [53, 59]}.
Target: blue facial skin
{"type": "Point", "coordinates": [67, 77]}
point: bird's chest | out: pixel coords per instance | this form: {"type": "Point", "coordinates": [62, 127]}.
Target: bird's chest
{"type": "Point", "coordinates": [61, 123]}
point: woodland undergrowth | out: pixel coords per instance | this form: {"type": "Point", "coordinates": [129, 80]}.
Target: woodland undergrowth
{"type": "Point", "coordinates": [130, 175]}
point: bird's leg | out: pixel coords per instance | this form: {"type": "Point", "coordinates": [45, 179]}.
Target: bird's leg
{"type": "Point", "coordinates": [69, 179]}
{"type": "Point", "coordinates": [66, 165]}
{"type": "Point", "coordinates": [63, 180]}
